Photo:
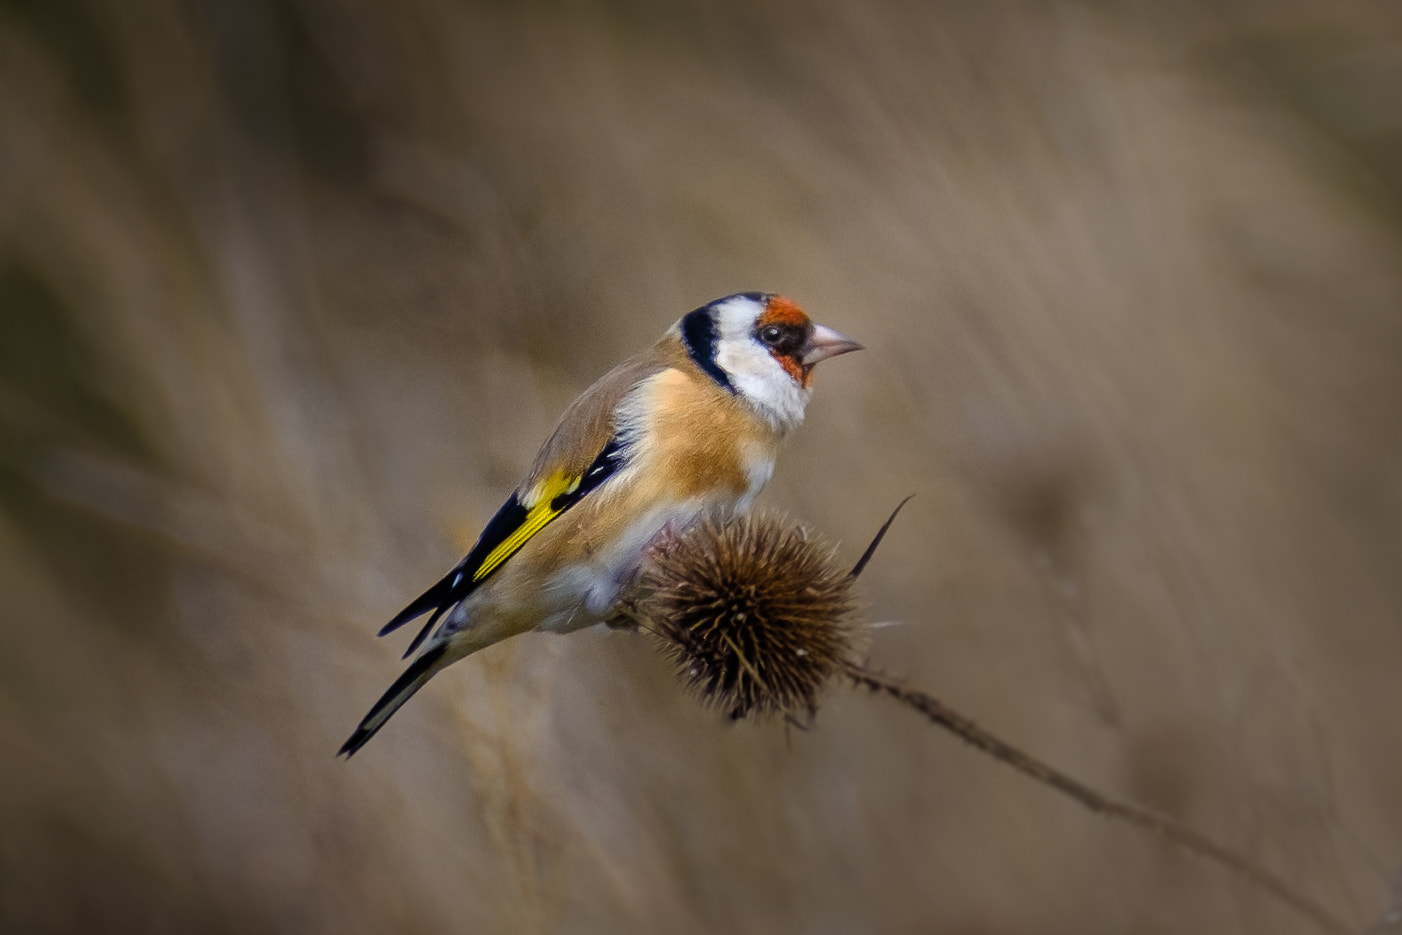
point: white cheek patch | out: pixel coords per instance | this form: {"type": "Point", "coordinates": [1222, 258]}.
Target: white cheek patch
{"type": "Point", "coordinates": [757, 376]}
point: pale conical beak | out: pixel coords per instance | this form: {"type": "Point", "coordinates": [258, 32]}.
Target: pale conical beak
{"type": "Point", "coordinates": [825, 343]}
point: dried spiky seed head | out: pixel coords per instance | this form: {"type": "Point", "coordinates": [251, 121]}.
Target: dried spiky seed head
{"type": "Point", "coordinates": [755, 612]}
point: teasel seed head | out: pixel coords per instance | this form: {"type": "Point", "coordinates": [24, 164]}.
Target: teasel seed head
{"type": "Point", "coordinates": [755, 612]}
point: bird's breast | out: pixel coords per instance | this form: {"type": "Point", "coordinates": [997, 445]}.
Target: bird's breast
{"type": "Point", "coordinates": [691, 448]}
{"type": "Point", "coordinates": [694, 438]}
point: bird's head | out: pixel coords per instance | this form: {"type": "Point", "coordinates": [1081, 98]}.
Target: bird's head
{"type": "Point", "coordinates": [763, 348]}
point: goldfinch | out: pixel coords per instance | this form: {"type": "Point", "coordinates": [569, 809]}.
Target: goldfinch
{"type": "Point", "coordinates": [690, 425]}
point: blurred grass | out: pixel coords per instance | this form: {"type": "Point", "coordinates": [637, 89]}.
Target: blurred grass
{"type": "Point", "coordinates": [291, 290]}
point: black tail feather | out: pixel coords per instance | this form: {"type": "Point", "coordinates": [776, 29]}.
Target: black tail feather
{"type": "Point", "coordinates": [452, 588]}
{"type": "Point", "coordinates": [439, 597]}
{"type": "Point", "coordinates": [413, 678]}
{"type": "Point", "coordinates": [425, 630]}
{"type": "Point", "coordinates": [464, 578]}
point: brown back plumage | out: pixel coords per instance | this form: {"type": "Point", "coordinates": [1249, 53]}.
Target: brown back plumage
{"type": "Point", "coordinates": [590, 421]}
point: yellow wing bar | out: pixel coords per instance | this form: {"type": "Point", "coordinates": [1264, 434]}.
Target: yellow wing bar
{"type": "Point", "coordinates": [541, 508]}
{"type": "Point", "coordinates": [512, 527]}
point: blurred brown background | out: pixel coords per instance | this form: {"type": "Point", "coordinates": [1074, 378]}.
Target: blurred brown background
{"type": "Point", "coordinates": [290, 290]}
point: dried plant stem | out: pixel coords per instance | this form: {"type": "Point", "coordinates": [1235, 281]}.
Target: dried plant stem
{"type": "Point", "coordinates": [971, 733]}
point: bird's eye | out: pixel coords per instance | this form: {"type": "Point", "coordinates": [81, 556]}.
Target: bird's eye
{"type": "Point", "coordinates": [781, 338]}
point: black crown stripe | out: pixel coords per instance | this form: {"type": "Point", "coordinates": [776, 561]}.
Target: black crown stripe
{"type": "Point", "coordinates": [699, 336]}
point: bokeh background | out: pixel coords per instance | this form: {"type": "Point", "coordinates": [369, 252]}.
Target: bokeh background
{"type": "Point", "coordinates": [290, 291]}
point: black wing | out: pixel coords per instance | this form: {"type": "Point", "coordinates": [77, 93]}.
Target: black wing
{"type": "Point", "coordinates": [512, 527]}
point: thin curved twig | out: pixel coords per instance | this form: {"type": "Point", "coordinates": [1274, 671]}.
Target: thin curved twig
{"type": "Point", "coordinates": [979, 738]}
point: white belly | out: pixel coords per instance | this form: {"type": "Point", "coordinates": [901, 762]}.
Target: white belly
{"type": "Point", "coordinates": [582, 594]}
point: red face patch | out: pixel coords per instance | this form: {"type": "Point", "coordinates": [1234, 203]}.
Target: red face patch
{"type": "Point", "coordinates": [783, 311]}
{"type": "Point", "coordinates": [784, 314]}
